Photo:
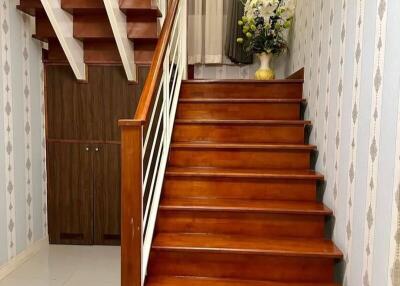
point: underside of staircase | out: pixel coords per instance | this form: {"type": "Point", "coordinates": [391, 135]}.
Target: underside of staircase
{"type": "Point", "coordinates": [92, 27]}
{"type": "Point", "coordinates": [239, 203]}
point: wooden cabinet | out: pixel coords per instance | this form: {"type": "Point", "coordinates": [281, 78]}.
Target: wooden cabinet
{"type": "Point", "coordinates": [84, 193]}
{"type": "Point", "coordinates": [70, 195]}
{"type": "Point", "coordinates": [83, 145]}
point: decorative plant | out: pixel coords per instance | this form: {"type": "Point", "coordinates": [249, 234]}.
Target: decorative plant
{"type": "Point", "coordinates": [265, 25]}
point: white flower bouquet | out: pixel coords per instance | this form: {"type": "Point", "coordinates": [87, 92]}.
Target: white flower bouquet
{"type": "Point", "coordinates": [265, 25]}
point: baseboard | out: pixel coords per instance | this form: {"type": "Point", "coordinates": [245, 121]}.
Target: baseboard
{"type": "Point", "coordinates": [22, 257]}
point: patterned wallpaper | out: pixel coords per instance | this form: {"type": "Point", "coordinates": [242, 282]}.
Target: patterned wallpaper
{"type": "Point", "coordinates": [22, 151]}
{"type": "Point", "coordinates": [353, 86]}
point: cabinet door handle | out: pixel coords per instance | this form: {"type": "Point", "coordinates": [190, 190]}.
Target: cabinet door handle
{"type": "Point", "coordinates": [87, 148]}
{"type": "Point", "coordinates": [97, 149]}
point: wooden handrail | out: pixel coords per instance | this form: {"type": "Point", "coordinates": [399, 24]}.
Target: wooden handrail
{"type": "Point", "coordinates": [132, 132]}
{"type": "Point", "coordinates": [156, 68]}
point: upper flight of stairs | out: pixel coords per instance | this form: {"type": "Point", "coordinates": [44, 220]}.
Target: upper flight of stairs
{"type": "Point", "coordinates": [239, 203]}
{"type": "Point", "coordinates": [92, 27]}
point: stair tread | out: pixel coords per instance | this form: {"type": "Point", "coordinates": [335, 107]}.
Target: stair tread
{"type": "Point", "coordinates": [216, 204]}
{"type": "Point", "coordinates": [246, 245]}
{"type": "Point", "coordinates": [243, 122]}
{"type": "Point", "coordinates": [203, 281]}
{"type": "Point", "coordinates": [196, 145]}
{"type": "Point", "coordinates": [80, 6]}
{"type": "Point", "coordinates": [242, 81]}
{"type": "Point", "coordinates": [240, 100]}
{"type": "Point", "coordinates": [124, 4]}
{"type": "Point", "coordinates": [253, 173]}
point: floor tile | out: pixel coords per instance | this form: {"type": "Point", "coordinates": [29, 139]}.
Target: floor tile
{"type": "Point", "coordinates": [59, 265]}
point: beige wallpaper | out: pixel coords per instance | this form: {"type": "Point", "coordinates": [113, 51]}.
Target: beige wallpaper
{"type": "Point", "coordinates": [23, 212]}
{"type": "Point", "coordinates": [352, 88]}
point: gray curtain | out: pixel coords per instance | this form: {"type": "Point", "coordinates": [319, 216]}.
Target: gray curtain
{"type": "Point", "coordinates": [233, 50]}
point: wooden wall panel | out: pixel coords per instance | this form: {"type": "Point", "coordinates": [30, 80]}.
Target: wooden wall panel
{"type": "Point", "coordinates": [68, 105]}
{"type": "Point", "coordinates": [90, 111]}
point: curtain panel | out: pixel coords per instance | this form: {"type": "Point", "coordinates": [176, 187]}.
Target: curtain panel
{"type": "Point", "coordinates": [234, 51]}
{"type": "Point", "coordinates": [212, 32]}
{"type": "Point", "coordinates": [205, 31]}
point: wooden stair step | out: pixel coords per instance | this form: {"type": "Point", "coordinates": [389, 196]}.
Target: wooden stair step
{"type": "Point", "coordinates": [265, 123]}
{"type": "Point", "coordinates": [92, 26]}
{"type": "Point", "coordinates": [77, 7]}
{"type": "Point", "coordinates": [219, 155]}
{"type": "Point", "coordinates": [137, 4]}
{"type": "Point", "coordinates": [236, 205]}
{"type": "Point", "coordinates": [254, 218]}
{"type": "Point", "coordinates": [233, 146]}
{"type": "Point", "coordinates": [241, 100]}
{"type": "Point", "coordinates": [102, 51]}
{"type": "Point", "coordinates": [240, 131]}
{"type": "Point", "coordinates": [289, 89]}
{"type": "Point", "coordinates": [96, 25]}
{"type": "Point", "coordinates": [246, 245]}
{"type": "Point", "coordinates": [144, 52]}
{"type": "Point", "coordinates": [251, 184]}
{"type": "Point", "coordinates": [244, 173]}
{"type": "Point", "coordinates": [142, 27]}
{"type": "Point", "coordinates": [129, 6]}
{"type": "Point", "coordinates": [44, 30]}
{"type": "Point", "coordinates": [204, 281]}
{"type": "Point", "coordinates": [243, 257]}
{"type": "Point", "coordinates": [241, 109]}
{"type": "Point", "coordinates": [30, 6]}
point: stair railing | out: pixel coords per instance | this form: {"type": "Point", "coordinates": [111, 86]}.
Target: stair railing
{"type": "Point", "coordinates": [145, 143]}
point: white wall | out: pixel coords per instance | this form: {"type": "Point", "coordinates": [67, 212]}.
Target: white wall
{"type": "Point", "coordinates": [22, 157]}
{"type": "Point", "coordinates": [349, 49]}
{"type": "Point", "coordinates": [232, 71]}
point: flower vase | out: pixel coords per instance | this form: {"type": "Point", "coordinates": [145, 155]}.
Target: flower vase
{"type": "Point", "coordinates": [265, 72]}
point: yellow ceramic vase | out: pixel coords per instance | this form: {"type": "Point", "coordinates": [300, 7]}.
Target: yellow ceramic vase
{"type": "Point", "coordinates": [265, 72]}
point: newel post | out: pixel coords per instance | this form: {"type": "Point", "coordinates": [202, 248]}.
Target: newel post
{"type": "Point", "coordinates": [131, 203]}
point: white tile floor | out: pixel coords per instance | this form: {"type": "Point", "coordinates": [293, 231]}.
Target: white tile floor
{"type": "Point", "coordinates": [69, 266]}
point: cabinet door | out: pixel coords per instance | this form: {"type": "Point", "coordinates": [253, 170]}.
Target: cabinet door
{"type": "Point", "coordinates": [70, 193]}
{"type": "Point", "coordinates": [107, 194]}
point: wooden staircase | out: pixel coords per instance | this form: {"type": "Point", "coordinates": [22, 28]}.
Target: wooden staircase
{"type": "Point", "coordinates": [92, 27]}
{"type": "Point", "coordinates": [239, 202]}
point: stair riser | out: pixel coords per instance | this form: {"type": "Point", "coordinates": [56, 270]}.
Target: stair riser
{"type": "Point", "coordinates": [144, 52]}
{"type": "Point", "coordinates": [283, 134]}
{"type": "Point", "coordinates": [240, 188]}
{"type": "Point", "coordinates": [92, 26]}
{"type": "Point", "coordinates": [44, 30]}
{"type": "Point", "coordinates": [97, 26]}
{"type": "Point", "coordinates": [71, 5]}
{"type": "Point", "coordinates": [239, 111]}
{"type": "Point", "coordinates": [240, 158]}
{"type": "Point", "coordinates": [241, 223]}
{"type": "Point", "coordinates": [242, 90]}
{"type": "Point", "coordinates": [136, 4]}
{"type": "Point", "coordinates": [142, 26]}
{"type": "Point", "coordinates": [241, 266]}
